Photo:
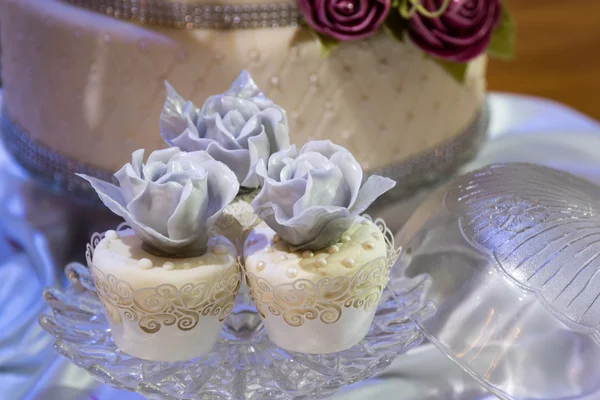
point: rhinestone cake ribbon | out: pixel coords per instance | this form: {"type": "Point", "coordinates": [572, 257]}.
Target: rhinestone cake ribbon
{"type": "Point", "coordinates": [196, 14]}
{"type": "Point", "coordinates": [58, 171]}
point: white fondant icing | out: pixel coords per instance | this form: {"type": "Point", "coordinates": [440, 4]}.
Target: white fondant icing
{"type": "Point", "coordinates": [111, 235]}
{"type": "Point", "coordinates": [123, 259]}
{"type": "Point", "coordinates": [315, 336]}
{"type": "Point", "coordinates": [291, 272]}
{"type": "Point", "coordinates": [106, 86]}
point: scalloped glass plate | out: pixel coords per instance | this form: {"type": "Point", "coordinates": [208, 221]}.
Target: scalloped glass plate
{"type": "Point", "coordinates": [245, 364]}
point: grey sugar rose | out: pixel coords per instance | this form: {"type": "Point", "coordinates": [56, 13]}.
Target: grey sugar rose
{"type": "Point", "coordinates": [171, 200]}
{"type": "Point", "coordinates": [239, 127]}
{"type": "Point", "coordinates": [311, 197]}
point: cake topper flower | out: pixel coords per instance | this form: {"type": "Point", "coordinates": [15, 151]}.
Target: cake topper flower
{"type": "Point", "coordinates": [311, 197]}
{"type": "Point", "coordinates": [239, 127]}
{"type": "Point", "coordinates": [460, 31]}
{"type": "Point", "coordinates": [171, 200]}
{"type": "Point", "coordinates": [345, 19]}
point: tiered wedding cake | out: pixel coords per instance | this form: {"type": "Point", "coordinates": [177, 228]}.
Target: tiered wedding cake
{"type": "Point", "coordinates": [84, 86]}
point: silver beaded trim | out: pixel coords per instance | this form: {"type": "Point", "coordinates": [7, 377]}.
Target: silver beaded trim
{"type": "Point", "coordinates": [196, 14]}
{"type": "Point", "coordinates": [434, 165]}
{"type": "Point", "coordinates": [58, 171]}
{"type": "Point", "coordinates": [52, 169]}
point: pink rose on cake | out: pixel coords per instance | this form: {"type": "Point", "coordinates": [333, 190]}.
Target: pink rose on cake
{"type": "Point", "coordinates": [461, 33]}
{"type": "Point", "coordinates": [312, 196]}
{"type": "Point", "coordinates": [345, 19]}
{"type": "Point", "coordinates": [240, 127]}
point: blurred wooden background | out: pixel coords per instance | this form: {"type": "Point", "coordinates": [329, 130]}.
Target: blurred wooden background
{"type": "Point", "coordinates": [558, 53]}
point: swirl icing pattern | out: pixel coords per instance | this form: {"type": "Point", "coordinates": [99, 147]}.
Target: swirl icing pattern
{"type": "Point", "coordinates": [163, 305]}
{"type": "Point", "coordinates": [326, 299]}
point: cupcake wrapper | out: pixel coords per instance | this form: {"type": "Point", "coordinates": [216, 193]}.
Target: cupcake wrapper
{"type": "Point", "coordinates": [164, 322]}
{"type": "Point", "coordinates": [326, 316]}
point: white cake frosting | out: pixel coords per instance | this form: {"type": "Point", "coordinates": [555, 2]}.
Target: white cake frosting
{"type": "Point", "coordinates": [155, 302]}
{"type": "Point", "coordinates": [91, 87]}
{"type": "Point", "coordinates": [322, 301]}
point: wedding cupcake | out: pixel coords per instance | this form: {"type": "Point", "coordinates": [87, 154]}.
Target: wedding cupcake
{"type": "Point", "coordinates": [165, 283]}
{"type": "Point", "coordinates": [241, 128]}
{"type": "Point", "coordinates": [314, 267]}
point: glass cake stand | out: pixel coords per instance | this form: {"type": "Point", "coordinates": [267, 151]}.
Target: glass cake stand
{"type": "Point", "coordinates": [244, 364]}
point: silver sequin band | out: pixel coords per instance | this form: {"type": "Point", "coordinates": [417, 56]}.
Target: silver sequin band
{"type": "Point", "coordinates": [58, 172]}
{"type": "Point", "coordinates": [196, 14]}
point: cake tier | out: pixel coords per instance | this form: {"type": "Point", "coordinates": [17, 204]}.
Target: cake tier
{"type": "Point", "coordinates": [164, 309]}
{"type": "Point", "coordinates": [91, 87]}
{"type": "Point", "coordinates": [317, 302]}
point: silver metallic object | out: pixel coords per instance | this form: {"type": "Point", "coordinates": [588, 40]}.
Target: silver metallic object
{"type": "Point", "coordinates": [197, 14]}
{"type": "Point", "coordinates": [512, 256]}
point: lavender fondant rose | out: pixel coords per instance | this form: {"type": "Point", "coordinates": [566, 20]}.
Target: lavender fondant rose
{"type": "Point", "coordinates": [311, 197]}
{"type": "Point", "coordinates": [345, 19]}
{"type": "Point", "coordinates": [171, 200]}
{"type": "Point", "coordinates": [239, 127]}
{"type": "Point", "coordinates": [461, 33]}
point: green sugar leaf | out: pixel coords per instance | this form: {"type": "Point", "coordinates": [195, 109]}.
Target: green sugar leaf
{"type": "Point", "coordinates": [326, 43]}
{"type": "Point", "coordinates": [504, 36]}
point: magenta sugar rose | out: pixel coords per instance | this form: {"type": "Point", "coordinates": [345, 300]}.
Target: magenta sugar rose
{"type": "Point", "coordinates": [345, 19]}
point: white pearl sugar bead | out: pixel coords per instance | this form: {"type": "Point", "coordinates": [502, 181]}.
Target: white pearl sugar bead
{"type": "Point", "coordinates": [283, 257]}
{"type": "Point", "coordinates": [307, 254]}
{"type": "Point", "coordinates": [333, 249]}
{"type": "Point", "coordinates": [276, 238]}
{"type": "Point", "coordinates": [145, 263]}
{"type": "Point", "coordinates": [291, 272]}
{"type": "Point", "coordinates": [348, 262]}
{"type": "Point", "coordinates": [320, 263]}
{"type": "Point", "coordinates": [169, 266]}
{"type": "Point", "coordinates": [368, 245]}
{"type": "Point", "coordinates": [260, 265]}
{"type": "Point", "coordinates": [111, 235]}
{"type": "Point", "coordinates": [346, 238]}
{"type": "Point", "coordinates": [220, 249]}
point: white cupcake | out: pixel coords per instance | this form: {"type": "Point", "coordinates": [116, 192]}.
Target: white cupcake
{"type": "Point", "coordinates": [166, 284]}
{"type": "Point", "coordinates": [315, 269]}
{"type": "Point", "coordinates": [163, 308]}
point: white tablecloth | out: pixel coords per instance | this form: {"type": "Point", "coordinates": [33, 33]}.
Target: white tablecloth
{"type": "Point", "coordinates": [31, 223]}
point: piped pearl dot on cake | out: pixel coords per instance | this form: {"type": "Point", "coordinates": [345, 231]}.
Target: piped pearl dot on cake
{"type": "Point", "coordinates": [291, 272]}
{"type": "Point", "coordinates": [320, 263]}
{"type": "Point", "coordinates": [283, 257]}
{"type": "Point", "coordinates": [260, 265]}
{"type": "Point", "coordinates": [169, 266]}
{"type": "Point", "coordinates": [375, 235]}
{"type": "Point", "coordinates": [111, 235]}
{"type": "Point", "coordinates": [307, 254]}
{"type": "Point", "coordinates": [346, 238]}
{"type": "Point", "coordinates": [276, 238]}
{"type": "Point", "coordinates": [348, 262]}
{"type": "Point", "coordinates": [145, 263]}
{"type": "Point", "coordinates": [368, 245]}
{"type": "Point", "coordinates": [333, 249]}
{"type": "Point", "coordinates": [220, 249]}
{"type": "Point", "coordinates": [365, 223]}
